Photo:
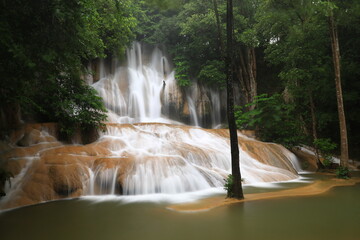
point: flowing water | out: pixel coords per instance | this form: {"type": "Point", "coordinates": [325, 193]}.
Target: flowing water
{"type": "Point", "coordinates": [330, 216]}
{"type": "Point", "coordinates": [145, 90]}
{"type": "Point", "coordinates": [158, 155]}
{"type": "Point", "coordinates": [171, 159]}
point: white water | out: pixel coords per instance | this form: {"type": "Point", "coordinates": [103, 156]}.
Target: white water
{"type": "Point", "coordinates": [158, 158]}
{"type": "Point", "coordinates": [167, 159]}
{"type": "Point", "coordinates": [143, 90]}
{"type": "Point", "coordinates": [174, 159]}
{"type": "Point", "coordinates": [133, 93]}
{"type": "Point", "coordinates": [193, 114]}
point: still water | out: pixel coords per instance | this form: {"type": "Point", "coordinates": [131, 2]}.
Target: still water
{"type": "Point", "coordinates": [334, 215]}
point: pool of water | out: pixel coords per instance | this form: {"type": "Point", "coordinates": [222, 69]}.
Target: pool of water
{"type": "Point", "coordinates": [334, 215]}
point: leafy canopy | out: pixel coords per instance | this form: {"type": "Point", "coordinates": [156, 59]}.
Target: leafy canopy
{"type": "Point", "coordinates": [44, 46]}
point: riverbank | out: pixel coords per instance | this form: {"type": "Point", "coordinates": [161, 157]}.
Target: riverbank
{"type": "Point", "coordinates": [316, 188]}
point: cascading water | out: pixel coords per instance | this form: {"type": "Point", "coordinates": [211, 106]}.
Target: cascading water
{"type": "Point", "coordinates": [153, 156]}
{"type": "Point", "coordinates": [145, 90]}
{"type": "Point", "coordinates": [168, 159]}
{"type": "Point", "coordinates": [133, 94]}
{"type": "Point", "coordinates": [215, 116]}
{"type": "Point", "coordinates": [193, 114]}
{"type": "Point", "coordinates": [163, 158]}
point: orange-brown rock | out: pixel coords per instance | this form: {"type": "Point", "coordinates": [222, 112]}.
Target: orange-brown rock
{"type": "Point", "coordinates": [307, 159]}
{"type": "Point", "coordinates": [50, 169]}
{"type": "Point", "coordinates": [67, 179]}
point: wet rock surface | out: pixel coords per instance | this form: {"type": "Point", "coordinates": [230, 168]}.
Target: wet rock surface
{"type": "Point", "coordinates": [132, 159]}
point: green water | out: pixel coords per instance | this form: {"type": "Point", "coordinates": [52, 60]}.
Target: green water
{"type": "Point", "coordinates": [334, 215]}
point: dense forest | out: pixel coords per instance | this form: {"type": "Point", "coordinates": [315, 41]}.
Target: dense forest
{"type": "Point", "coordinates": [284, 61]}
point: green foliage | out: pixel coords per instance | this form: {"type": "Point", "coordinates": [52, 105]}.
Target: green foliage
{"type": "Point", "coordinates": [273, 119]}
{"type": "Point", "coordinates": [195, 39]}
{"type": "Point", "coordinates": [182, 72]}
{"type": "Point", "coordinates": [189, 33]}
{"type": "Point", "coordinates": [229, 185]}
{"type": "Point", "coordinates": [296, 40]}
{"type": "Point", "coordinates": [326, 147]}
{"type": "Point", "coordinates": [72, 104]}
{"type": "Point", "coordinates": [343, 172]}
{"type": "Point", "coordinates": [44, 46]}
{"type": "Point", "coordinates": [164, 4]}
{"type": "Point", "coordinates": [292, 44]}
{"type": "Point", "coordinates": [213, 74]}
{"type": "Point", "coordinates": [115, 23]}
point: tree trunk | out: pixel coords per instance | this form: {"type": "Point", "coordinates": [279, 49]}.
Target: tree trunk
{"type": "Point", "coordinates": [218, 25]}
{"type": "Point", "coordinates": [246, 74]}
{"type": "Point", "coordinates": [344, 158]}
{"type": "Point", "coordinates": [235, 161]}
{"type": "Point", "coordinates": [314, 131]}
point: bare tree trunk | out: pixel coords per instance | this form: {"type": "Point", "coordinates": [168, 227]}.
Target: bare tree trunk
{"type": "Point", "coordinates": [344, 158]}
{"type": "Point", "coordinates": [235, 161]}
{"type": "Point", "coordinates": [314, 131]}
{"type": "Point", "coordinates": [218, 25]}
{"type": "Point", "coordinates": [246, 74]}
{"type": "Point", "coordinates": [252, 74]}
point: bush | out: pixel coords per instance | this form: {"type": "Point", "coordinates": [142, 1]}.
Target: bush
{"type": "Point", "coordinates": [325, 146]}
{"type": "Point", "coordinates": [343, 172]}
{"type": "Point", "coordinates": [72, 103]}
{"type": "Point", "coordinates": [213, 74]}
{"type": "Point", "coordinates": [273, 120]}
{"type": "Point", "coordinates": [228, 186]}
{"type": "Point", "coordinates": [182, 72]}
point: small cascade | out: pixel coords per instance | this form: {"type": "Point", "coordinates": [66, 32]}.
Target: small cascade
{"type": "Point", "coordinates": [193, 114]}
{"type": "Point", "coordinates": [102, 181]}
{"type": "Point", "coordinates": [102, 69]}
{"type": "Point", "coordinates": [216, 111]}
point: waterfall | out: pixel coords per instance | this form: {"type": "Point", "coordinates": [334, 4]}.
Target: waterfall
{"type": "Point", "coordinates": [102, 181]}
{"type": "Point", "coordinates": [145, 90]}
{"type": "Point", "coordinates": [163, 158]}
{"type": "Point", "coordinates": [136, 159]}
{"type": "Point", "coordinates": [169, 159]}
{"type": "Point", "coordinates": [133, 93]}
{"type": "Point", "coordinates": [147, 147]}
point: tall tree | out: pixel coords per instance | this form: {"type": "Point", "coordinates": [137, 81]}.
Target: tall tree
{"type": "Point", "coordinates": [235, 161]}
{"type": "Point", "coordinates": [344, 158]}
